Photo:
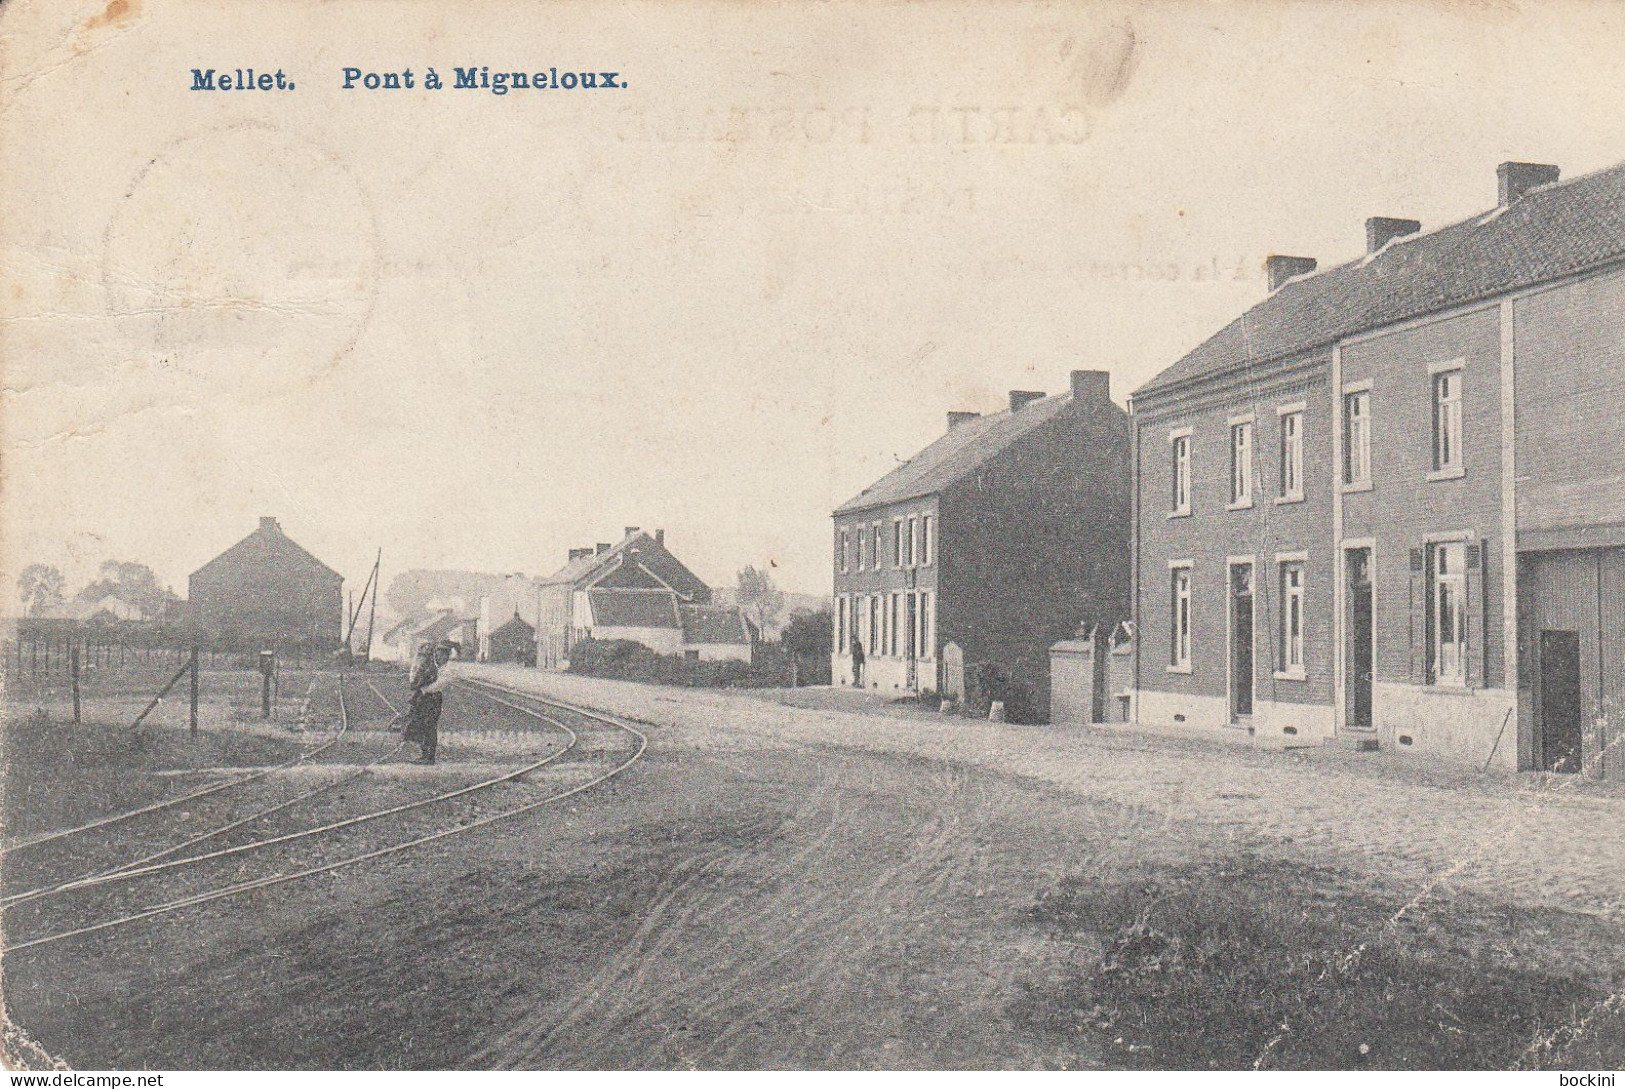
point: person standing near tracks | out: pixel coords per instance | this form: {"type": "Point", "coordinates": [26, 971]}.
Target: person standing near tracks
{"type": "Point", "coordinates": [429, 682]}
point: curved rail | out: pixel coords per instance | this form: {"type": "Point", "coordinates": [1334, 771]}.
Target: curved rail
{"type": "Point", "coordinates": [279, 879]}
{"type": "Point", "coordinates": [136, 869]}
{"type": "Point", "coordinates": [116, 818]}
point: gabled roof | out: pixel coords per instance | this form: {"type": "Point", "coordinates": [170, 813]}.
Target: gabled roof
{"type": "Point", "coordinates": [263, 543]}
{"type": "Point", "coordinates": [1550, 232]}
{"type": "Point", "coordinates": [516, 625]}
{"type": "Point", "coordinates": [633, 608]}
{"type": "Point", "coordinates": [957, 454]}
{"type": "Point", "coordinates": [637, 548]}
{"type": "Point", "coordinates": [710, 624]}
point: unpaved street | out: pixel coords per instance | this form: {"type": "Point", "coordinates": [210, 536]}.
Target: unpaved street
{"type": "Point", "coordinates": [805, 887]}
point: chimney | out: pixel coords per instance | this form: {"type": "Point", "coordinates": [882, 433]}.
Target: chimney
{"type": "Point", "coordinates": [1021, 398]}
{"type": "Point", "coordinates": [1380, 230]}
{"type": "Point", "coordinates": [267, 522]}
{"type": "Point", "coordinates": [1091, 386]}
{"type": "Point", "coordinates": [579, 553]}
{"type": "Point", "coordinates": [660, 538]}
{"type": "Point", "coordinates": [1516, 179]}
{"type": "Point", "coordinates": [957, 418]}
{"type": "Point", "coordinates": [1280, 269]}
{"type": "Point", "coordinates": [632, 530]}
{"type": "Point", "coordinates": [603, 546]}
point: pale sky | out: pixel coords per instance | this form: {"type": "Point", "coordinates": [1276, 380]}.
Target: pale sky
{"type": "Point", "coordinates": [480, 330]}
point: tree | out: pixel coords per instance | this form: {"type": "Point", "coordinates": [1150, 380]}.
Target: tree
{"type": "Point", "coordinates": [759, 598]}
{"type": "Point", "coordinates": [133, 582]}
{"type": "Point", "coordinates": [808, 634]}
{"type": "Point", "coordinates": [40, 588]}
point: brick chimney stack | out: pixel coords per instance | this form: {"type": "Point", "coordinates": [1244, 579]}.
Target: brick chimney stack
{"type": "Point", "coordinates": [1381, 230]}
{"type": "Point", "coordinates": [270, 523]}
{"type": "Point", "coordinates": [957, 418]}
{"type": "Point", "coordinates": [1021, 398]}
{"type": "Point", "coordinates": [660, 538]}
{"type": "Point", "coordinates": [579, 553]}
{"type": "Point", "coordinates": [1091, 387]}
{"type": "Point", "coordinates": [1279, 268]}
{"type": "Point", "coordinates": [631, 530]}
{"type": "Point", "coordinates": [1515, 179]}
{"type": "Point", "coordinates": [603, 546]}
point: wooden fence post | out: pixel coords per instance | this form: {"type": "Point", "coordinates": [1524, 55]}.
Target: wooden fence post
{"type": "Point", "coordinates": [194, 691]}
{"type": "Point", "coordinates": [74, 668]}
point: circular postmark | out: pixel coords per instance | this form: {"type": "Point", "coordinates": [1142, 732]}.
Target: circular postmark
{"type": "Point", "coordinates": [247, 254]}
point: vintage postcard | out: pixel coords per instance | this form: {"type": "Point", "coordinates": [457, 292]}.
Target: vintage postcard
{"type": "Point", "coordinates": [708, 535]}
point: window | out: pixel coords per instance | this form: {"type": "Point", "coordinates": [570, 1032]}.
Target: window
{"type": "Point", "coordinates": [841, 641]}
{"type": "Point", "coordinates": [1179, 628]}
{"type": "Point", "coordinates": [874, 624]}
{"type": "Point", "coordinates": [1241, 464]}
{"type": "Point", "coordinates": [896, 628]}
{"type": "Point", "coordinates": [1181, 498]}
{"type": "Point", "coordinates": [845, 544]}
{"type": "Point", "coordinates": [911, 542]}
{"type": "Point", "coordinates": [897, 542]}
{"type": "Point", "coordinates": [1447, 421]}
{"type": "Point", "coordinates": [1357, 437]}
{"type": "Point", "coordinates": [925, 540]}
{"type": "Point", "coordinates": [874, 546]}
{"type": "Point", "coordinates": [1289, 660]}
{"type": "Point", "coordinates": [926, 645]}
{"type": "Point", "coordinates": [1447, 613]}
{"type": "Point", "coordinates": [1292, 455]}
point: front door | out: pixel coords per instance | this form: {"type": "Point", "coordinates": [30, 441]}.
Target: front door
{"type": "Point", "coordinates": [1560, 700]}
{"type": "Point", "coordinates": [1357, 659]}
{"type": "Point", "coordinates": [1241, 641]}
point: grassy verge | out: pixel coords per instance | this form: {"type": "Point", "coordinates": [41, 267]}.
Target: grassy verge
{"type": "Point", "coordinates": [1228, 966]}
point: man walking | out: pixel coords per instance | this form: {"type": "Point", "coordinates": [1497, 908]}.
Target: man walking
{"type": "Point", "coordinates": [857, 662]}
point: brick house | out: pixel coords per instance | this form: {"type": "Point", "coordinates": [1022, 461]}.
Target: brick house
{"type": "Point", "coordinates": [633, 589]}
{"type": "Point", "coordinates": [267, 592]}
{"type": "Point", "coordinates": [1386, 505]}
{"type": "Point", "coordinates": [1001, 537]}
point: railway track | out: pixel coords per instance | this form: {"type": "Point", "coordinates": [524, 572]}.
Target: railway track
{"type": "Point", "coordinates": [605, 747]}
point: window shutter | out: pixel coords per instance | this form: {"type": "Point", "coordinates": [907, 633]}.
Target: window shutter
{"type": "Point", "coordinates": [1419, 627]}
{"type": "Point", "coordinates": [1473, 562]}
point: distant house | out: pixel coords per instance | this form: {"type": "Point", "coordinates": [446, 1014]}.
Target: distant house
{"type": "Point", "coordinates": [265, 591]}
{"type": "Point", "coordinates": [514, 596]}
{"type": "Point", "coordinates": [514, 641]}
{"type": "Point", "coordinates": [1001, 537]}
{"type": "Point", "coordinates": [634, 589]}
{"type": "Point", "coordinates": [107, 609]}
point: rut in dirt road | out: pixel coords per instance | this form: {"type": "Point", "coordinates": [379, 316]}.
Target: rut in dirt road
{"type": "Point", "coordinates": [733, 939]}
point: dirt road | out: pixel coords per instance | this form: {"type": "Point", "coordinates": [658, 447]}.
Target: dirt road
{"type": "Point", "coordinates": [804, 892]}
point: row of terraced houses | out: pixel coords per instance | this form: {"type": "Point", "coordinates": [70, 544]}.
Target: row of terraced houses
{"type": "Point", "coordinates": [1384, 508]}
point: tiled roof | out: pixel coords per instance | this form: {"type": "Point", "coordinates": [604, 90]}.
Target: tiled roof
{"type": "Point", "coordinates": [713, 624]}
{"type": "Point", "coordinates": [958, 453]}
{"type": "Point", "coordinates": [263, 544]}
{"type": "Point", "coordinates": [641, 549]}
{"type": "Point", "coordinates": [1550, 232]}
{"type": "Point", "coordinates": [633, 608]}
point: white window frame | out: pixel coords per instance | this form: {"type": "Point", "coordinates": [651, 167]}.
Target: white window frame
{"type": "Point", "coordinates": [873, 642]}
{"type": "Point", "coordinates": [912, 541]}
{"type": "Point", "coordinates": [1243, 433]}
{"type": "Point", "coordinates": [897, 543]}
{"type": "Point", "coordinates": [1291, 637]}
{"type": "Point", "coordinates": [846, 544]}
{"type": "Point", "coordinates": [1437, 583]}
{"type": "Point", "coordinates": [1181, 640]}
{"type": "Point", "coordinates": [1180, 444]}
{"type": "Point", "coordinates": [1291, 419]}
{"type": "Point", "coordinates": [926, 543]}
{"type": "Point", "coordinates": [1354, 459]}
{"type": "Point", "coordinates": [1448, 419]}
{"type": "Point", "coordinates": [875, 551]}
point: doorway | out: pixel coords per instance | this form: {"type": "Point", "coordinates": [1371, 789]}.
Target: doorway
{"type": "Point", "coordinates": [1560, 700]}
{"type": "Point", "coordinates": [1241, 641]}
{"type": "Point", "coordinates": [1357, 658]}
